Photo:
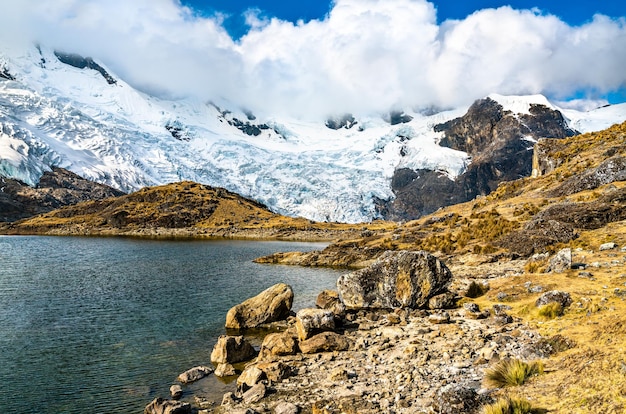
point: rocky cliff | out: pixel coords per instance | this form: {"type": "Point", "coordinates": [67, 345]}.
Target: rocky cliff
{"type": "Point", "coordinates": [500, 144]}
{"type": "Point", "coordinates": [57, 188]}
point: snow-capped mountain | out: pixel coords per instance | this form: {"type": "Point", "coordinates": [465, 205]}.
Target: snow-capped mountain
{"type": "Point", "coordinates": [62, 110]}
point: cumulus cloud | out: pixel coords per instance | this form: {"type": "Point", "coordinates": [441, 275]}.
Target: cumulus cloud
{"type": "Point", "coordinates": [364, 56]}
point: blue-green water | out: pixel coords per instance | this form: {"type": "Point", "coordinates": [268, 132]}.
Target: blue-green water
{"type": "Point", "coordinates": [104, 325]}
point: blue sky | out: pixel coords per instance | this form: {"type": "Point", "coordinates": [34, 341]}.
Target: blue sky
{"type": "Point", "coordinates": [574, 12]}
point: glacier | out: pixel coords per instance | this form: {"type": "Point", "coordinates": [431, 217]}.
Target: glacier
{"type": "Point", "coordinates": [56, 115]}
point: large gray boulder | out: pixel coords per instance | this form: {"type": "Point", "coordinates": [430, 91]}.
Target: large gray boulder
{"type": "Point", "coordinates": [273, 304]}
{"type": "Point", "coordinates": [398, 279]}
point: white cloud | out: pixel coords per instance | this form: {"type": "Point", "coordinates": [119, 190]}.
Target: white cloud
{"type": "Point", "coordinates": [365, 56]}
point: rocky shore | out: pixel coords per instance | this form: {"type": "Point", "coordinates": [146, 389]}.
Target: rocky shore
{"type": "Point", "coordinates": [400, 336]}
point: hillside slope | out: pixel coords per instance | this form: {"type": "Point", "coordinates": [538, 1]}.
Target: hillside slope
{"type": "Point", "coordinates": [504, 245]}
{"type": "Point", "coordinates": [183, 209]}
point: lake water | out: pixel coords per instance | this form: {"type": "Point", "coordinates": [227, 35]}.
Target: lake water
{"type": "Point", "coordinates": [104, 325]}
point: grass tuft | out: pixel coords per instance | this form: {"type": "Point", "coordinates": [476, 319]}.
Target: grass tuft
{"type": "Point", "coordinates": [511, 372]}
{"type": "Point", "coordinates": [551, 310]}
{"type": "Point", "coordinates": [476, 290]}
{"type": "Point", "coordinates": [509, 406]}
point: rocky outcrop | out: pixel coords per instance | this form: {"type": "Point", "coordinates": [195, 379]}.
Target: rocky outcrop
{"type": "Point", "coordinates": [611, 170]}
{"type": "Point", "coordinates": [500, 144]}
{"type": "Point", "coordinates": [403, 279]}
{"type": "Point", "coordinates": [554, 296]}
{"type": "Point", "coordinates": [273, 304]}
{"type": "Point", "coordinates": [346, 121]}
{"type": "Point", "coordinates": [232, 349]}
{"type": "Point", "coordinates": [162, 406]}
{"type": "Point", "coordinates": [81, 62]}
{"type": "Point", "coordinates": [56, 188]}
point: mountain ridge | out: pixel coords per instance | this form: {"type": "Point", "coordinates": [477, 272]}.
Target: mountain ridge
{"type": "Point", "coordinates": [56, 114]}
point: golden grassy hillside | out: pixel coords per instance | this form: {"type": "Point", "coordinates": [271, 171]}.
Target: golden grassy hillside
{"type": "Point", "coordinates": [184, 209]}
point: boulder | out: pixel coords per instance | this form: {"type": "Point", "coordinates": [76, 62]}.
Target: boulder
{"type": "Point", "coordinates": [277, 344]}
{"type": "Point", "coordinates": [176, 391]}
{"type": "Point", "coordinates": [398, 279]}
{"type": "Point", "coordinates": [225, 370]}
{"type": "Point", "coordinates": [313, 321]}
{"type": "Point", "coordinates": [162, 406]}
{"type": "Point", "coordinates": [330, 300]}
{"type": "Point", "coordinates": [275, 371]}
{"type": "Point", "coordinates": [250, 376]}
{"type": "Point", "coordinates": [255, 394]}
{"type": "Point", "coordinates": [194, 374]}
{"type": "Point", "coordinates": [231, 349]}
{"type": "Point", "coordinates": [273, 304]}
{"type": "Point", "coordinates": [561, 261]}
{"type": "Point", "coordinates": [554, 296]}
{"type": "Point", "coordinates": [325, 342]}
{"type": "Point", "coordinates": [446, 300]}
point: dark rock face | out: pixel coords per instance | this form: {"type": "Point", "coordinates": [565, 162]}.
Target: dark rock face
{"type": "Point", "coordinates": [56, 188]}
{"type": "Point", "coordinates": [398, 117]}
{"type": "Point", "coordinates": [248, 128]}
{"type": "Point", "coordinates": [611, 170]}
{"type": "Point", "coordinates": [346, 121]}
{"type": "Point", "coordinates": [178, 131]}
{"type": "Point", "coordinates": [80, 62]}
{"type": "Point", "coordinates": [4, 74]}
{"type": "Point", "coordinates": [558, 223]}
{"type": "Point", "coordinates": [499, 145]}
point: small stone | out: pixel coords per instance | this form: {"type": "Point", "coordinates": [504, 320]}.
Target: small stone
{"type": "Point", "coordinates": [561, 262]}
{"type": "Point", "coordinates": [275, 371]}
{"type": "Point", "coordinates": [338, 374]}
{"type": "Point", "coordinates": [284, 407]}
{"type": "Point", "coordinates": [194, 374]}
{"type": "Point", "coordinates": [330, 300]}
{"type": "Point", "coordinates": [439, 318]}
{"type": "Point", "coordinates": [225, 370]}
{"type": "Point", "coordinates": [176, 391]}
{"type": "Point", "coordinates": [608, 246]}
{"type": "Point", "coordinates": [230, 399]}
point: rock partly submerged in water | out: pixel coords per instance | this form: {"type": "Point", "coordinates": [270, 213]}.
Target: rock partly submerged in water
{"type": "Point", "coordinates": [162, 406]}
{"type": "Point", "coordinates": [273, 304]}
{"type": "Point", "coordinates": [194, 374]}
{"type": "Point", "coordinates": [232, 349]}
{"type": "Point", "coordinates": [398, 279]}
